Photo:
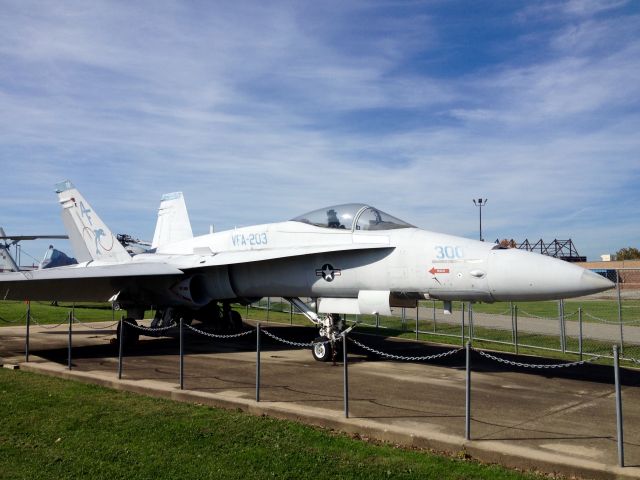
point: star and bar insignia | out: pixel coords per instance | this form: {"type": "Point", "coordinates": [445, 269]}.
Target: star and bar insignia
{"type": "Point", "coordinates": [328, 272]}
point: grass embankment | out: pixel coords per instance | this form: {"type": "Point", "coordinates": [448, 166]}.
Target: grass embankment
{"type": "Point", "coordinates": [55, 429]}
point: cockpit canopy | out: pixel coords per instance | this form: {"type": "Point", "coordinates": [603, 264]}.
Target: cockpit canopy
{"type": "Point", "coordinates": [347, 215]}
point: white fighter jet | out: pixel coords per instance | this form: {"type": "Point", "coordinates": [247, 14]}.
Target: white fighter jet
{"type": "Point", "coordinates": [351, 259]}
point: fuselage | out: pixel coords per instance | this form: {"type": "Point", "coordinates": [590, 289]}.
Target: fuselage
{"type": "Point", "coordinates": [344, 252]}
{"type": "Point", "coordinates": [408, 261]}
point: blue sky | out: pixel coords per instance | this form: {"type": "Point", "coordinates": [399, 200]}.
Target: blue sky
{"type": "Point", "coordinates": [260, 111]}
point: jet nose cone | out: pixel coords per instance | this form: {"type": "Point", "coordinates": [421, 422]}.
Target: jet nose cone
{"type": "Point", "coordinates": [594, 282]}
{"type": "Point", "coordinates": [516, 275]}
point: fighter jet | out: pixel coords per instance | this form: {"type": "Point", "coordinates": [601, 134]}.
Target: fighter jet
{"type": "Point", "coordinates": [7, 262]}
{"type": "Point", "coordinates": [351, 259]}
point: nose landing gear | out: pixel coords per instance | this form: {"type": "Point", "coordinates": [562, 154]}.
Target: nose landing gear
{"type": "Point", "coordinates": [325, 348]}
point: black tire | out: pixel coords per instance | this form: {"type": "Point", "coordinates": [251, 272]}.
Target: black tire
{"type": "Point", "coordinates": [236, 321]}
{"type": "Point", "coordinates": [322, 352]}
{"type": "Point", "coordinates": [131, 334]}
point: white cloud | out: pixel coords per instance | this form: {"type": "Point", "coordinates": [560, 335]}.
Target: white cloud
{"type": "Point", "coordinates": [260, 112]}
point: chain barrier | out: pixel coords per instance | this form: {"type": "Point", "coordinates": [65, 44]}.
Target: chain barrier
{"type": "Point", "coordinates": [402, 357]}
{"type": "Point", "coordinates": [534, 365]}
{"type": "Point", "coordinates": [298, 344]}
{"type": "Point", "coordinates": [50, 327]}
{"type": "Point", "coordinates": [567, 315]}
{"type": "Point", "coordinates": [215, 335]}
{"type": "Point", "coordinates": [13, 321]}
{"type": "Point", "coordinates": [103, 327]}
{"type": "Point", "coordinates": [611, 322]}
{"type": "Point", "coordinates": [531, 315]}
{"type": "Point", "coordinates": [150, 329]}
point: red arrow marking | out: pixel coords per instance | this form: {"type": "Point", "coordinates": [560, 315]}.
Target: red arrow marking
{"type": "Point", "coordinates": [435, 270]}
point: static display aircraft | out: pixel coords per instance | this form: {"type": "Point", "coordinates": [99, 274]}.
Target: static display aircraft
{"type": "Point", "coordinates": [352, 259]}
{"type": "Point", "coordinates": [8, 263]}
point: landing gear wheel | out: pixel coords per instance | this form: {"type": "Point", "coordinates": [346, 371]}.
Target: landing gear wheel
{"type": "Point", "coordinates": [322, 352]}
{"type": "Point", "coordinates": [131, 334]}
{"type": "Point", "coordinates": [236, 321]}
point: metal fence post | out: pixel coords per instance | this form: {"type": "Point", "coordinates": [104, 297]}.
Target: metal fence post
{"type": "Point", "coordinates": [404, 319]}
{"type": "Point", "coordinates": [268, 307]}
{"type": "Point", "coordinates": [181, 354]}
{"type": "Point", "coordinates": [257, 362]}
{"type": "Point", "coordinates": [26, 338]}
{"type": "Point", "coordinates": [290, 313]}
{"type": "Point", "coordinates": [346, 375]}
{"type": "Point", "coordinates": [620, 434]}
{"type": "Point", "coordinates": [434, 316]}
{"type": "Point", "coordinates": [470, 307]}
{"type": "Point", "coordinates": [563, 338]}
{"type": "Point", "coordinates": [467, 416]}
{"type": "Point", "coordinates": [580, 331]}
{"type": "Point", "coordinates": [377, 321]}
{"type": "Point", "coordinates": [515, 324]}
{"type": "Point", "coordinates": [120, 345]}
{"type": "Point", "coordinates": [247, 313]}
{"type": "Point", "coordinates": [70, 341]}
{"type": "Point", "coordinates": [417, 318]}
{"type": "Point", "coordinates": [620, 312]}
{"type": "Point", "coordinates": [462, 334]}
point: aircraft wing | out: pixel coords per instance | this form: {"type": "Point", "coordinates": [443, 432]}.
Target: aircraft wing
{"type": "Point", "coordinates": [32, 237]}
{"type": "Point", "coordinates": [80, 282]}
{"type": "Point", "coordinates": [101, 282]}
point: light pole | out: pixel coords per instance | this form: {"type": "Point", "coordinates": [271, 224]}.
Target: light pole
{"type": "Point", "coordinates": [481, 202]}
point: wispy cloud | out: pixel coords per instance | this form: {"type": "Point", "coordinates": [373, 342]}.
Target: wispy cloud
{"type": "Point", "coordinates": [261, 111]}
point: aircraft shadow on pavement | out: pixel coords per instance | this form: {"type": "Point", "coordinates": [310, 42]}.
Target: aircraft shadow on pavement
{"type": "Point", "coordinates": [197, 344]}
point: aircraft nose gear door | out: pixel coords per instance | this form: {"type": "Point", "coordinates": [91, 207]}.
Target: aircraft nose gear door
{"type": "Point", "coordinates": [325, 346]}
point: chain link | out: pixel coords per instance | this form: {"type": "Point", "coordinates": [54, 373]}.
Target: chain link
{"type": "Point", "coordinates": [150, 329]}
{"type": "Point", "coordinates": [402, 357]}
{"type": "Point", "coordinates": [531, 315]}
{"type": "Point", "coordinates": [214, 335]}
{"type": "Point", "coordinates": [48, 327]}
{"type": "Point", "coordinates": [299, 344]}
{"type": "Point", "coordinates": [534, 365]}
{"type": "Point", "coordinates": [611, 322]}
{"type": "Point", "coordinates": [13, 321]}
{"type": "Point", "coordinates": [102, 327]}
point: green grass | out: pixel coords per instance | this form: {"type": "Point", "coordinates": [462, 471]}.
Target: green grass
{"type": "Point", "coordinates": [13, 313]}
{"type": "Point", "coordinates": [59, 429]}
{"type": "Point", "coordinates": [605, 309]}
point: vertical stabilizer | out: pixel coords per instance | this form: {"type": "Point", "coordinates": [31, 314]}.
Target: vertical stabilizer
{"type": "Point", "coordinates": [7, 264]}
{"type": "Point", "coordinates": [173, 221]}
{"type": "Point", "coordinates": [90, 238]}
